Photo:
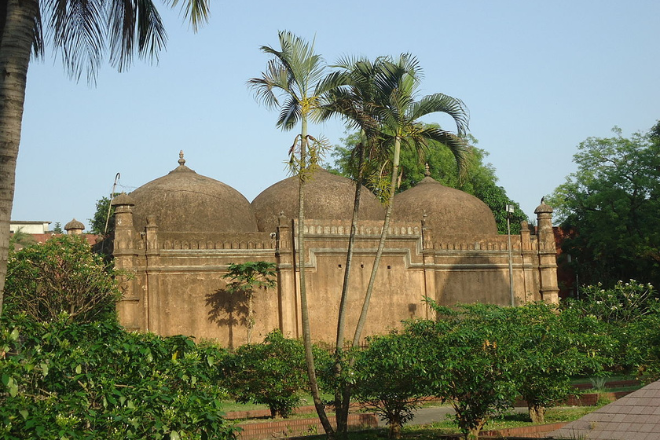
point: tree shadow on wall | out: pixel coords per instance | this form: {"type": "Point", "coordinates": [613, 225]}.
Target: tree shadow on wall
{"type": "Point", "coordinates": [228, 310]}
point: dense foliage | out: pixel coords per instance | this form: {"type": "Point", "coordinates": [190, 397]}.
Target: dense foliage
{"type": "Point", "coordinates": [389, 376]}
{"type": "Point", "coordinates": [272, 373]}
{"type": "Point", "coordinates": [103, 222]}
{"type": "Point", "coordinates": [628, 313]}
{"type": "Point", "coordinates": [611, 205]}
{"type": "Point", "coordinates": [62, 275]}
{"type": "Point", "coordinates": [478, 178]}
{"type": "Point", "coordinates": [479, 358]}
{"type": "Point", "coordinates": [97, 381]}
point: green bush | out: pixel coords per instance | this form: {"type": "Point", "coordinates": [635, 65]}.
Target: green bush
{"type": "Point", "coordinates": [272, 373]}
{"type": "Point", "coordinates": [390, 377]}
{"type": "Point", "coordinates": [97, 381]}
{"type": "Point", "coordinates": [623, 312]}
{"type": "Point", "coordinates": [62, 275]}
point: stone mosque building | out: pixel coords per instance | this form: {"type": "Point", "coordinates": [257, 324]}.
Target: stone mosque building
{"type": "Point", "coordinates": [177, 235]}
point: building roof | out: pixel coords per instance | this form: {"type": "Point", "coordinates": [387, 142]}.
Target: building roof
{"type": "Point", "coordinates": [633, 417]}
{"type": "Point", "coordinates": [327, 196]}
{"type": "Point", "coordinates": [184, 201]}
{"type": "Point", "coordinates": [449, 212]}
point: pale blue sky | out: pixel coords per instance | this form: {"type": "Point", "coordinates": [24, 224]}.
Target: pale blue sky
{"type": "Point", "coordinates": [537, 77]}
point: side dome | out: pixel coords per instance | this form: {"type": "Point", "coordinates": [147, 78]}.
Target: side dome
{"type": "Point", "coordinates": [184, 201]}
{"type": "Point", "coordinates": [449, 212]}
{"type": "Point", "coordinates": [327, 196]}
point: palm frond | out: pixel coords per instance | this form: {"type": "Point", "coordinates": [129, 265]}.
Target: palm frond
{"type": "Point", "coordinates": [38, 46]}
{"type": "Point", "coordinates": [296, 74]}
{"type": "Point", "coordinates": [128, 19]}
{"type": "Point", "coordinates": [440, 103]}
{"type": "Point", "coordinates": [81, 31]}
{"type": "Point", "coordinates": [290, 113]}
{"type": "Point", "coordinates": [195, 11]}
{"type": "Point", "coordinates": [274, 79]}
{"type": "Point", "coordinates": [75, 29]}
{"type": "Point", "coordinates": [456, 144]}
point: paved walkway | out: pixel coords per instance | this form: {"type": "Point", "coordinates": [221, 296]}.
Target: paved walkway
{"type": "Point", "coordinates": [426, 415]}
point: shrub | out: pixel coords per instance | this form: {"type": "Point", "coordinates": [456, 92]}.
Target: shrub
{"type": "Point", "coordinates": [62, 275]}
{"type": "Point", "coordinates": [390, 377]}
{"type": "Point", "coordinates": [272, 373]}
{"type": "Point", "coordinates": [96, 381]}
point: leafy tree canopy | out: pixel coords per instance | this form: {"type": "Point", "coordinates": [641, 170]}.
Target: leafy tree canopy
{"type": "Point", "coordinates": [611, 203]}
{"type": "Point", "coordinates": [61, 276]}
{"type": "Point", "coordinates": [478, 179]}
{"type": "Point", "coordinates": [103, 221]}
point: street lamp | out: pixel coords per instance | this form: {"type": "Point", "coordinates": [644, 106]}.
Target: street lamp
{"type": "Point", "coordinates": [510, 210]}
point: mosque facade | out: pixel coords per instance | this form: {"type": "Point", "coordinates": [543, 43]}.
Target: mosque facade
{"type": "Point", "coordinates": [176, 236]}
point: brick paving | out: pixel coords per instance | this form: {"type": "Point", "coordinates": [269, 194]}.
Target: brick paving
{"type": "Point", "coordinates": [633, 417]}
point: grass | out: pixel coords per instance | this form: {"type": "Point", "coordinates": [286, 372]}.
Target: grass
{"type": "Point", "coordinates": [438, 430]}
{"type": "Point", "coordinates": [231, 405]}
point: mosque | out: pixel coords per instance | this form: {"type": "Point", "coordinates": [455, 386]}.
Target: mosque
{"type": "Point", "coordinates": [177, 234]}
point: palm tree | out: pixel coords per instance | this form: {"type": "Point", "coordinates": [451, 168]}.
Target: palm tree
{"type": "Point", "coordinates": [399, 114]}
{"type": "Point", "coordinates": [83, 32]}
{"type": "Point", "coordinates": [354, 98]}
{"type": "Point", "coordinates": [378, 99]}
{"type": "Point", "coordinates": [295, 75]}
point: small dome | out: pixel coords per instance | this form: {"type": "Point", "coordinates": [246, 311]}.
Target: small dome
{"type": "Point", "coordinates": [327, 196]}
{"type": "Point", "coordinates": [184, 201]}
{"type": "Point", "coordinates": [543, 208]}
{"type": "Point", "coordinates": [123, 199]}
{"type": "Point", "coordinates": [448, 211]}
{"type": "Point", "coordinates": [74, 226]}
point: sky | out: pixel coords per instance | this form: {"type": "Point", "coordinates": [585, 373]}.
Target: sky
{"type": "Point", "coordinates": [537, 77]}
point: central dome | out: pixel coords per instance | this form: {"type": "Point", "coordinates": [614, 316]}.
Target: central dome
{"type": "Point", "coordinates": [449, 212]}
{"type": "Point", "coordinates": [327, 196]}
{"type": "Point", "coordinates": [184, 201]}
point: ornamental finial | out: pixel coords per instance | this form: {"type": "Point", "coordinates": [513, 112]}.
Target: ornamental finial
{"type": "Point", "coordinates": [182, 161]}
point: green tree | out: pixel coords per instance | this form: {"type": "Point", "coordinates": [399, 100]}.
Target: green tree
{"type": "Point", "coordinates": [272, 373]}
{"type": "Point", "coordinates": [245, 278]}
{"type": "Point", "coordinates": [81, 32]}
{"type": "Point", "coordinates": [61, 276]}
{"type": "Point", "coordinates": [63, 379]}
{"type": "Point", "coordinates": [20, 239]}
{"type": "Point", "coordinates": [398, 115]}
{"type": "Point", "coordinates": [293, 83]}
{"type": "Point", "coordinates": [550, 352]}
{"type": "Point", "coordinates": [618, 311]}
{"type": "Point", "coordinates": [103, 222]}
{"type": "Point", "coordinates": [355, 99]}
{"type": "Point", "coordinates": [389, 377]}
{"type": "Point", "coordinates": [57, 229]}
{"type": "Point", "coordinates": [473, 362]}
{"type": "Point", "coordinates": [478, 178]}
{"type": "Point", "coordinates": [378, 98]}
{"type": "Point", "coordinates": [612, 203]}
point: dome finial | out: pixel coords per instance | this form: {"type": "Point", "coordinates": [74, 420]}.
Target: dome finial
{"type": "Point", "coordinates": [427, 172]}
{"type": "Point", "coordinates": [182, 161]}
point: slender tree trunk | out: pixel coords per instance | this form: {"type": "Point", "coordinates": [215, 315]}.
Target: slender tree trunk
{"type": "Point", "coordinates": [343, 391]}
{"type": "Point", "coordinates": [15, 49]}
{"type": "Point", "coordinates": [395, 426]}
{"type": "Point", "coordinates": [250, 318]}
{"type": "Point", "coordinates": [307, 334]}
{"type": "Point", "coordinates": [381, 244]}
{"type": "Point", "coordinates": [537, 413]}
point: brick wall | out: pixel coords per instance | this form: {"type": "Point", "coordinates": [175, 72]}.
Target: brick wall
{"type": "Point", "coordinates": [299, 427]}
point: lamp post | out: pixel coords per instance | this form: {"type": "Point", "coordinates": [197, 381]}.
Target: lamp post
{"type": "Point", "coordinates": [509, 211]}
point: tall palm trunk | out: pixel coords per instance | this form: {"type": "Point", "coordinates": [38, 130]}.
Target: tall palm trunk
{"type": "Point", "coordinates": [381, 244]}
{"type": "Point", "coordinates": [343, 392]}
{"type": "Point", "coordinates": [15, 48]}
{"type": "Point", "coordinates": [307, 334]}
